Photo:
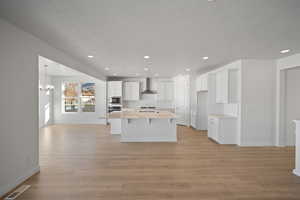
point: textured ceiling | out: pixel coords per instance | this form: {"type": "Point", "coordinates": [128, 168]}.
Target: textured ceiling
{"type": "Point", "coordinates": [176, 34]}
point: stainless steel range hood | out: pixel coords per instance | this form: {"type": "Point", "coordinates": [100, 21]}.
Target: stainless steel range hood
{"type": "Point", "coordinates": [148, 87]}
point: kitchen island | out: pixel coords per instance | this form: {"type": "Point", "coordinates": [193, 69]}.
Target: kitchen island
{"type": "Point", "coordinates": [145, 125]}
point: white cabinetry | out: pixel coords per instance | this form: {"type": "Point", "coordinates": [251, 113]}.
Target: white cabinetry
{"type": "Point", "coordinates": [114, 89]}
{"type": "Point", "coordinates": [222, 86]}
{"type": "Point", "coordinates": [222, 129]}
{"type": "Point", "coordinates": [131, 91]}
{"type": "Point", "coordinates": [227, 83]}
{"type": "Point", "coordinates": [194, 119]}
{"type": "Point", "coordinates": [165, 91]}
{"type": "Point", "coordinates": [115, 126]}
{"type": "Point", "coordinates": [201, 83]}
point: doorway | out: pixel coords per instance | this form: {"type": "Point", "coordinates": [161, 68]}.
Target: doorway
{"type": "Point", "coordinates": [182, 99]}
{"type": "Point", "coordinates": [289, 98]}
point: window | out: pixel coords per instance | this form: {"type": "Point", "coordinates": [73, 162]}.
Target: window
{"type": "Point", "coordinates": [88, 97]}
{"type": "Point", "coordinates": [70, 96]}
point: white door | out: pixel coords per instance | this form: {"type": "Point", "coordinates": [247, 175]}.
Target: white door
{"type": "Point", "coordinates": [202, 115]}
{"type": "Point", "coordinates": [182, 99]}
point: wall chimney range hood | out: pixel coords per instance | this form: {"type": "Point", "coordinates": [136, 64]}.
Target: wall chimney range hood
{"type": "Point", "coordinates": [148, 87]}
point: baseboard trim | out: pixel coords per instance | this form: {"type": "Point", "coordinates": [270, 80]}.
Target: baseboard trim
{"type": "Point", "coordinates": [101, 122]}
{"type": "Point", "coordinates": [296, 172]}
{"type": "Point", "coordinates": [5, 190]}
{"type": "Point", "coordinates": [257, 144]}
{"type": "Point", "coordinates": [148, 140]}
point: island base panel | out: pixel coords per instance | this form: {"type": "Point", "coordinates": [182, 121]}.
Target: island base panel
{"type": "Point", "coordinates": [148, 130]}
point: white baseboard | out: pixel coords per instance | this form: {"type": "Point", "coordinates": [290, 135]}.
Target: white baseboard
{"type": "Point", "coordinates": [257, 144]}
{"type": "Point", "coordinates": [101, 122]}
{"type": "Point", "coordinates": [148, 140]}
{"type": "Point", "coordinates": [296, 172]}
{"type": "Point", "coordinates": [7, 188]}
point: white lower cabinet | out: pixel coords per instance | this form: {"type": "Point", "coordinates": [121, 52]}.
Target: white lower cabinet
{"type": "Point", "coordinates": [115, 126]}
{"type": "Point", "coordinates": [194, 119]}
{"type": "Point", "coordinates": [222, 129]}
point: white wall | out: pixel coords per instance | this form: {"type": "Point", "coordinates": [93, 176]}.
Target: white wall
{"type": "Point", "coordinates": [97, 117]}
{"type": "Point", "coordinates": [289, 62]}
{"type": "Point", "coordinates": [19, 124]}
{"type": "Point", "coordinates": [258, 102]}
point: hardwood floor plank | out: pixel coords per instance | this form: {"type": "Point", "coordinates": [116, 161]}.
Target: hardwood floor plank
{"type": "Point", "coordinates": [86, 162]}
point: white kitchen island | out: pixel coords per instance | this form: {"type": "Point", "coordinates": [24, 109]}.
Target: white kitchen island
{"type": "Point", "coordinates": [146, 126]}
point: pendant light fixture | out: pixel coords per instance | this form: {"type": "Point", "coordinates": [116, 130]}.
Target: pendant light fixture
{"type": "Point", "coordinates": [47, 87]}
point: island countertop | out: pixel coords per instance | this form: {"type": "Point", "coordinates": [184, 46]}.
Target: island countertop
{"type": "Point", "coordinates": [140, 114]}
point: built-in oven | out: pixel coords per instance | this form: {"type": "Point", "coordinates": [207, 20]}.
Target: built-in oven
{"type": "Point", "coordinates": [114, 108]}
{"type": "Point", "coordinates": [115, 100]}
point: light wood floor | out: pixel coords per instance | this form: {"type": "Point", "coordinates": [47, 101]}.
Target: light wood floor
{"type": "Point", "coordinates": [86, 162]}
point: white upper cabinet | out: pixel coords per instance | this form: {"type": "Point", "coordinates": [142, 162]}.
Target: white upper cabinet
{"type": "Point", "coordinates": [131, 91]}
{"type": "Point", "coordinates": [222, 86]}
{"type": "Point", "coordinates": [114, 89]}
{"type": "Point", "coordinates": [165, 91]}
{"type": "Point", "coordinates": [201, 83]}
{"type": "Point", "coordinates": [227, 86]}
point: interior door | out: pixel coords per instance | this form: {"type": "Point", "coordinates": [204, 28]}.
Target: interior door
{"type": "Point", "coordinates": [182, 99]}
{"type": "Point", "coordinates": [202, 115]}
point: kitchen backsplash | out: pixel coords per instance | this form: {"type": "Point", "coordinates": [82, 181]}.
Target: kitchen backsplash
{"type": "Point", "coordinates": [148, 100]}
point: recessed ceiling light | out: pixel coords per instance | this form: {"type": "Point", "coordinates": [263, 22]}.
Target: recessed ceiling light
{"type": "Point", "coordinates": [205, 58]}
{"type": "Point", "coordinates": [106, 68]}
{"type": "Point", "coordinates": [146, 57]}
{"type": "Point", "coordinates": [211, 0]}
{"type": "Point", "coordinates": [137, 74]}
{"type": "Point", "coordinates": [114, 74]}
{"type": "Point", "coordinates": [187, 69]}
{"type": "Point", "coordinates": [146, 68]}
{"type": "Point", "coordinates": [90, 56]}
{"type": "Point", "coordinates": [156, 74]}
{"type": "Point", "coordinates": [285, 51]}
